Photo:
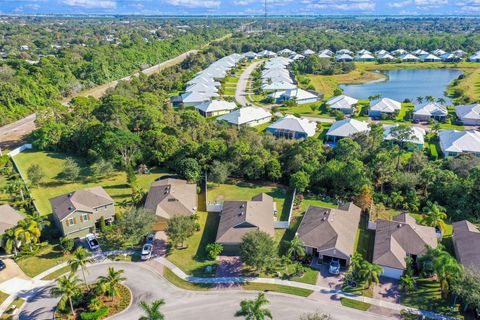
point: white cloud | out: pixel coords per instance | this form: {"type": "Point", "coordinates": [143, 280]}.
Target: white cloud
{"type": "Point", "coordinates": [364, 5]}
{"type": "Point", "coordinates": [105, 4]}
{"type": "Point", "coordinates": [430, 2]}
{"type": "Point", "coordinates": [399, 4]}
{"type": "Point", "coordinates": [195, 3]}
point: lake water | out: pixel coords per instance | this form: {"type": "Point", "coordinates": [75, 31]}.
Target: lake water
{"type": "Point", "coordinates": [402, 84]}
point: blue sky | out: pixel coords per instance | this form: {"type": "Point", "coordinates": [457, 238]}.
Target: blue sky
{"type": "Point", "coordinates": [402, 7]}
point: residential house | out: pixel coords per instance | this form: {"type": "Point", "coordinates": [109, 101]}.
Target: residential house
{"type": "Point", "coordinates": [385, 56]}
{"type": "Point", "coordinates": [430, 110]}
{"type": "Point", "coordinates": [326, 52]}
{"type": "Point", "coordinates": [240, 217]}
{"type": "Point", "coordinates": [323, 55]}
{"type": "Point", "coordinates": [364, 57]}
{"type": "Point", "coordinates": [475, 57]}
{"type": "Point", "coordinates": [438, 52]}
{"type": "Point", "coordinates": [250, 55]}
{"type": "Point", "coordinates": [454, 142]}
{"type": "Point", "coordinates": [397, 239]}
{"type": "Point", "coordinates": [308, 52]}
{"type": "Point", "coordinates": [299, 95]}
{"type": "Point", "coordinates": [291, 127]}
{"type": "Point", "coordinates": [417, 139]}
{"type": "Point", "coordinates": [364, 51]}
{"type": "Point", "coordinates": [420, 52]}
{"type": "Point", "coordinates": [215, 108]}
{"type": "Point", "coordinates": [469, 114]}
{"type": "Point", "coordinates": [459, 53]}
{"type": "Point", "coordinates": [192, 99]}
{"type": "Point", "coordinates": [296, 56]}
{"type": "Point", "coordinates": [171, 197]}
{"type": "Point", "coordinates": [450, 57]}
{"type": "Point", "coordinates": [279, 85]}
{"type": "Point", "coordinates": [342, 103]}
{"type": "Point", "coordinates": [408, 57]}
{"type": "Point", "coordinates": [344, 57]}
{"type": "Point", "coordinates": [346, 128]}
{"type": "Point", "coordinates": [344, 51]}
{"type": "Point", "coordinates": [77, 213]}
{"type": "Point", "coordinates": [466, 242]}
{"type": "Point", "coordinates": [382, 52]}
{"type": "Point", "coordinates": [267, 54]}
{"type": "Point", "coordinates": [429, 58]}
{"type": "Point", "coordinates": [286, 52]}
{"type": "Point", "coordinates": [399, 52]}
{"type": "Point", "coordinates": [9, 218]}
{"type": "Point", "coordinates": [247, 116]}
{"type": "Point", "coordinates": [330, 233]}
{"type": "Point", "coordinates": [384, 106]}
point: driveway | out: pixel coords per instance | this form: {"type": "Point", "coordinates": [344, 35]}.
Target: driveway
{"type": "Point", "coordinates": [388, 290]}
{"type": "Point", "coordinates": [11, 271]}
{"type": "Point", "coordinates": [241, 90]}
{"type": "Point", "coordinates": [147, 285]}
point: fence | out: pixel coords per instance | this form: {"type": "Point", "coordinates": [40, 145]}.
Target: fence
{"type": "Point", "coordinates": [15, 152]}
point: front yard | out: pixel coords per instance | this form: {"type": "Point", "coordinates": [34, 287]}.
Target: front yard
{"type": "Point", "coordinates": [46, 258]}
{"type": "Point", "coordinates": [52, 164]}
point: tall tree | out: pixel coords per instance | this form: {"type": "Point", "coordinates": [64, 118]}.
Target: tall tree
{"type": "Point", "coordinates": [295, 248]}
{"type": "Point", "coordinates": [370, 272]}
{"type": "Point", "coordinates": [435, 216]}
{"type": "Point", "coordinates": [109, 284]}
{"type": "Point", "coordinates": [255, 309]}
{"type": "Point", "coordinates": [28, 232]}
{"type": "Point", "coordinates": [257, 249]}
{"type": "Point", "coordinates": [81, 257]}
{"type": "Point", "coordinates": [179, 229]}
{"type": "Point", "coordinates": [35, 174]}
{"type": "Point", "coordinates": [67, 288]}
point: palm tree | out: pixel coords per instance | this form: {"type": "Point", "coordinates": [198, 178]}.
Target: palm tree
{"type": "Point", "coordinates": [108, 284]}
{"type": "Point", "coordinates": [67, 288]}
{"type": "Point", "coordinates": [447, 270]}
{"type": "Point", "coordinates": [152, 310]}
{"type": "Point", "coordinates": [442, 101]}
{"type": "Point", "coordinates": [430, 98]}
{"type": "Point", "coordinates": [80, 258]}
{"type": "Point", "coordinates": [41, 221]}
{"type": "Point", "coordinates": [254, 309]}
{"type": "Point", "coordinates": [295, 248]}
{"type": "Point", "coordinates": [356, 262]}
{"type": "Point", "coordinates": [10, 241]}
{"type": "Point", "coordinates": [407, 282]}
{"type": "Point", "coordinates": [370, 272]}
{"type": "Point", "coordinates": [435, 216]}
{"type": "Point", "coordinates": [15, 187]}
{"type": "Point", "coordinates": [420, 100]}
{"type": "Point", "coordinates": [28, 232]}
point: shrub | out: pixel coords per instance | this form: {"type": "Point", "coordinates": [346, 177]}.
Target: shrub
{"type": "Point", "coordinates": [213, 250]}
{"type": "Point", "coordinates": [100, 313]}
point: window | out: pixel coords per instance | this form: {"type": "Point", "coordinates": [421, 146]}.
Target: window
{"type": "Point", "coordinates": [71, 221]}
{"type": "Point", "coordinates": [85, 216]}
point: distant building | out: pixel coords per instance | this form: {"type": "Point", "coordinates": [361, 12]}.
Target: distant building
{"type": "Point", "coordinates": [346, 128]}
{"type": "Point", "coordinates": [291, 127]}
{"type": "Point", "coordinates": [299, 95]}
{"type": "Point", "coordinates": [429, 58]}
{"type": "Point", "coordinates": [384, 106]}
{"type": "Point", "coordinates": [408, 57]}
{"type": "Point", "coordinates": [469, 114]}
{"type": "Point", "coordinates": [286, 52]}
{"type": "Point", "coordinates": [342, 103]}
{"type": "Point", "coordinates": [430, 110]}
{"type": "Point", "coordinates": [418, 135]}
{"type": "Point", "coordinates": [215, 108]}
{"type": "Point", "coordinates": [247, 116]}
{"type": "Point", "coordinates": [308, 52]}
{"type": "Point", "coordinates": [344, 57]}
{"type": "Point", "coordinates": [454, 143]}
{"type": "Point", "coordinates": [364, 57]}
{"type": "Point", "coordinates": [76, 213]}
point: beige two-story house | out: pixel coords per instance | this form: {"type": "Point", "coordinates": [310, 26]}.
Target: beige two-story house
{"type": "Point", "coordinates": [76, 213]}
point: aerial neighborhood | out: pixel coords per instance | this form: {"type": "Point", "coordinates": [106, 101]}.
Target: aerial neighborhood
{"type": "Point", "coordinates": [323, 179]}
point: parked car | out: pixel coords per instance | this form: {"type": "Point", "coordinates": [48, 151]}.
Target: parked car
{"type": "Point", "coordinates": [147, 251]}
{"type": "Point", "coordinates": [2, 265]}
{"type": "Point", "coordinates": [92, 242]}
{"type": "Point", "coordinates": [150, 238]}
{"type": "Point", "coordinates": [334, 266]}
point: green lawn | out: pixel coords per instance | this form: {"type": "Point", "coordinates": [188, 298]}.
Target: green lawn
{"type": "Point", "coordinates": [241, 190]}
{"type": "Point", "coordinates": [46, 258]}
{"type": "Point", "coordinates": [4, 198]}
{"type": "Point", "coordinates": [363, 306]}
{"type": "Point", "coordinates": [312, 201]}
{"type": "Point", "coordinates": [277, 288]}
{"type": "Point", "coordinates": [229, 91]}
{"type": "Point", "coordinates": [231, 79]}
{"type": "Point", "coordinates": [427, 297]}
{"type": "Point", "coordinates": [406, 107]}
{"type": "Point", "coordinates": [52, 164]}
{"type": "Point", "coordinates": [3, 296]}
{"type": "Point", "coordinates": [179, 282]}
{"type": "Point", "coordinates": [262, 127]}
{"type": "Point", "coordinates": [60, 272]}
{"type": "Point", "coordinates": [193, 259]}
{"type": "Point", "coordinates": [365, 240]}
{"type": "Point", "coordinates": [310, 276]}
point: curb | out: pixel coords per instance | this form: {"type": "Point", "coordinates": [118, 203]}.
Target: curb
{"type": "Point", "coordinates": [128, 307]}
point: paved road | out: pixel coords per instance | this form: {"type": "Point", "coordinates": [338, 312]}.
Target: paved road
{"type": "Point", "coordinates": [147, 285]}
{"type": "Point", "coordinates": [12, 134]}
{"type": "Point", "coordinates": [241, 90]}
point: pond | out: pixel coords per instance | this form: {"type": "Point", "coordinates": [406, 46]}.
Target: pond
{"type": "Point", "coordinates": [406, 83]}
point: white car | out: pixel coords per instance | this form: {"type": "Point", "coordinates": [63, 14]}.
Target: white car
{"type": "Point", "coordinates": [334, 267]}
{"type": "Point", "coordinates": [92, 242]}
{"type": "Point", "coordinates": [147, 251]}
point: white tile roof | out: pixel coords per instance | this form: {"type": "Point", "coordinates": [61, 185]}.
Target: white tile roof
{"type": "Point", "coordinates": [431, 109]}
{"type": "Point", "coordinates": [324, 56]}
{"type": "Point", "coordinates": [420, 52]}
{"type": "Point", "coordinates": [296, 57]}
{"type": "Point", "coordinates": [400, 52]}
{"type": "Point", "coordinates": [293, 123]}
{"type": "Point", "coordinates": [344, 51]}
{"type": "Point", "coordinates": [245, 115]}
{"type": "Point", "coordinates": [471, 112]}
{"type": "Point", "coordinates": [364, 56]}
{"type": "Point", "coordinates": [280, 85]}
{"type": "Point", "coordinates": [216, 105]}
{"type": "Point", "coordinates": [267, 53]}
{"type": "Point", "coordinates": [418, 134]}
{"type": "Point", "coordinates": [347, 128]}
{"type": "Point", "coordinates": [344, 56]}
{"type": "Point", "coordinates": [296, 93]}
{"type": "Point", "coordinates": [286, 51]}
{"type": "Point", "coordinates": [386, 105]}
{"type": "Point", "coordinates": [475, 57]}
{"type": "Point", "coordinates": [202, 87]}
{"type": "Point", "coordinates": [364, 51]}
{"type": "Point", "coordinates": [408, 56]}
{"type": "Point", "coordinates": [382, 52]}
{"type": "Point", "coordinates": [386, 56]}
{"type": "Point", "coordinates": [438, 52]}
{"type": "Point", "coordinates": [341, 102]}
{"type": "Point", "coordinates": [194, 97]}
{"type": "Point", "coordinates": [460, 141]}
{"type": "Point", "coordinates": [429, 56]}
{"type": "Point", "coordinates": [326, 52]}
{"type": "Point", "coordinates": [308, 52]}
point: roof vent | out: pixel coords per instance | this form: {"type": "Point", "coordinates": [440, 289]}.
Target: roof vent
{"type": "Point", "coordinates": [70, 208]}
{"type": "Point", "coordinates": [324, 218]}
{"type": "Point", "coordinates": [241, 213]}
{"type": "Point", "coordinates": [243, 205]}
{"type": "Point", "coordinates": [399, 225]}
{"type": "Point", "coordinates": [70, 194]}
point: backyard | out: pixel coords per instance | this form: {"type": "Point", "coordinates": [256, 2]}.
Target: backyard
{"type": "Point", "coordinates": [52, 163]}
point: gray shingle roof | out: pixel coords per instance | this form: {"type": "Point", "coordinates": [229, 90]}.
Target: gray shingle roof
{"type": "Point", "coordinates": [466, 239]}
{"type": "Point", "coordinates": [9, 218]}
{"type": "Point", "coordinates": [84, 200]}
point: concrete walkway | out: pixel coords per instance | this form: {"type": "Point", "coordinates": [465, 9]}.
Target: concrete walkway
{"type": "Point", "coordinates": [241, 90]}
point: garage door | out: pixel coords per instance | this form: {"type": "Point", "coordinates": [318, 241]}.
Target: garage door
{"type": "Point", "coordinates": [392, 273]}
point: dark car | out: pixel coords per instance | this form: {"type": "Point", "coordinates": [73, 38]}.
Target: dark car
{"type": "Point", "coordinates": [2, 265]}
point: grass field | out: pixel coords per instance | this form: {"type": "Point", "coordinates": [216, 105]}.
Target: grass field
{"type": "Point", "coordinates": [45, 259]}
{"type": "Point", "coordinates": [240, 190]}
{"type": "Point", "coordinates": [277, 288]}
{"type": "Point", "coordinates": [60, 272]}
{"type": "Point", "coordinates": [3, 296]}
{"type": "Point", "coordinates": [179, 282]}
{"type": "Point", "coordinates": [359, 305]}
{"type": "Point", "coordinates": [18, 303]}
{"type": "Point", "coordinates": [365, 240]}
{"type": "Point", "coordinates": [52, 164]}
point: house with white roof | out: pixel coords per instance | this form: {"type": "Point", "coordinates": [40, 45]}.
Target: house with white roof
{"type": "Point", "coordinates": [342, 103]}
{"type": "Point", "coordinates": [469, 114]}
{"type": "Point", "coordinates": [215, 108]}
{"type": "Point", "coordinates": [267, 54]}
{"type": "Point", "coordinates": [386, 56]}
{"type": "Point", "coordinates": [450, 57]}
{"type": "Point", "coordinates": [250, 55]}
{"type": "Point", "coordinates": [419, 52]}
{"type": "Point", "coordinates": [326, 52]}
{"type": "Point", "coordinates": [454, 142]}
{"type": "Point", "coordinates": [346, 128]}
{"type": "Point", "coordinates": [364, 51]}
{"type": "Point", "coordinates": [296, 56]}
{"type": "Point", "coordinates": [202, 87]}
{"type": "Point", "coordinates": [364, 57]}
{"type": "Point", "coordinates": [475, 57]}
{"type": "Point", "coordinates": [344, 57]}
{"type": "Point", "coordinates": [278, 86]}
{"type": "Point", "coordinates": [417, 135]}
{"type": "Point", "coordinates": [438, 52]}
{"type": "Point", "coordinates": [459, 53]}
{"type": "Point", "coordinates": [399, 52]}
{"type": "Point", "coordinates": [191, 99]}
{"type": "Point", "coordinates": [286, 52]}
{"type": "Point", "coordinates": [408, 57]}
{"type": "Point", "coordinates": [344, 51]}
{"type": "Point", "coordinates": [430, 110]}
{"type": "Point", "coordinates": [323, 55]}
{"type": "Point", "coordinates": [291, 127]}
{"type": "Point", "coordinates": [299, 95]}
{"type": "Point", "coordinates": [429, 58]}
{"type": "Point", "coordinates": [384, 106]}
{"type": "Point", "coordinates": [308, 52]}
{"type": "Point", "coordinates": [382, 52]}
{"type": "Point", "coordinates": [247, 116]}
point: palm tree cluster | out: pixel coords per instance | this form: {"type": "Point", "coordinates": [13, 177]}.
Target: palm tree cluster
{"type": "Point", "coordinates": [26, 233]}
{"type": "Point", "coordinates": [363, 271]}
{"type": "Point", "coordinates": [254, 309]}
{"type": "Point", "coordinates": [69, 287]}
